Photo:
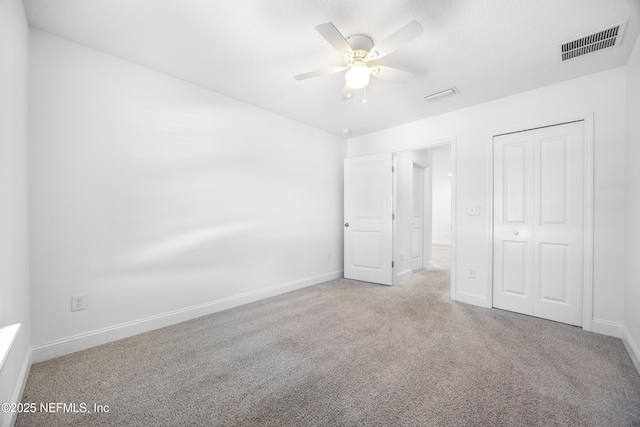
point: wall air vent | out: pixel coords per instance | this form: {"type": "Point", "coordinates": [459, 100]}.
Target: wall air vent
{"type": "Point", "coordinates": [603, 39]}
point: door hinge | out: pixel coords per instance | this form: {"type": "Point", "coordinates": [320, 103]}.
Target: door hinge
{"type": "Point", "coordinates": [393, 168]}
{"type": "Point", "coordinates": [393, 216]}
{"type": "Point", "coordinates": [393, 264]}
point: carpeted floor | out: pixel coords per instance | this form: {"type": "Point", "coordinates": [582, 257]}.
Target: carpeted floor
{"type": "Point", "coordinates": [441, 257]}
{"type": "Point", "coordinates": [348, 353]}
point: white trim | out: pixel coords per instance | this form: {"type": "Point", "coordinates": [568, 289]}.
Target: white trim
{"type": "Point", "coordinates": [589, 174]}
{"type": "Point", "coordinates": [454, 214]}
{"type": "Point", "coordinates": [588, 263]}
{"type": "Point", "coordinates": [394, 208]}
{"type": "Point", "coordinates": [607, 327]}
{"type": "Point", "coordinates": [632, 348]}
{"type": "Point", "coordinates": [489, 285]}
{"type": "Point", "coordinates": [8, 335]}
{"type": "Point", "coordinates": [404, 274]}
{"type": "Point", "coordinates": [470, 298]}
{"type": "Point", "coordinates": [542, 124]}
{"type": "Point", "coordinates": [86, 340]}
{"type": "Point", "coordinates": [427, 215]}
{"type": "Point", "coordinates": [441, 242]}
{"type": "Point", "coordinates": [416, 145]}
{"type": "Point", "coordinates": [9, 418]}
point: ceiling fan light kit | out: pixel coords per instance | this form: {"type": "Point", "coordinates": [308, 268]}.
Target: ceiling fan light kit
{"type": "Point", "coordinates": [358, 75]}
{"type": "Point", "coordinates": [359, 49]}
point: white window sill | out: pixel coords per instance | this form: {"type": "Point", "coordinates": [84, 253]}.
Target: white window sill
{"type": "Point", "coordinates": [7, 335]}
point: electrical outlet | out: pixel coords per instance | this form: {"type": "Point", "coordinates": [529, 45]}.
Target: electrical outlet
{"type": "Point", "coordinates": [474, 210]}
{"type": "Point", "coordinates": [77, 302]}
{"type": "Point", "coordinates": [472, 273]}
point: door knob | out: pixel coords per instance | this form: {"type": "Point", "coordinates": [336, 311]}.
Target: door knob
{"type": "Point", "coordinates": [346, 224]}
{"type": "Point", "coordinates": [515, 233]}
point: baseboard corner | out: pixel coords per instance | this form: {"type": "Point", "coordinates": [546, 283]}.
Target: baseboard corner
{"type": "Point", "coordinates": [632, 348]}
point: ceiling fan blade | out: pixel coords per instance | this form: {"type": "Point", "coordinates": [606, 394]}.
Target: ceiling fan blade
{"type": "Point", "coordinates": [318, 73]}
{"type": "Point", "coordinates": [391, 74]}
{"type": "Point", "coordinates": [396, 40]}
{"type": "Point", "coordinates": [347, 93]}
{"type": "Point", "coordinates": [334, 37]}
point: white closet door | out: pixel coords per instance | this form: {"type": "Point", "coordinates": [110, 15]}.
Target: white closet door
{"type": "Point", "coordinates": [513, 222]}
{"type": "Point", "coordinates": [368, 249]}
{"type": "Point", "coordinates": [558, 254]}
{"type": "Point", "coordinates": [539, 222]}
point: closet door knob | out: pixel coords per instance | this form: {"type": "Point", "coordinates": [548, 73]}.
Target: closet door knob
{"type": "Point", "coordinates": [515, 233]}
{"type": "Point", "coordinates": [346, 224]}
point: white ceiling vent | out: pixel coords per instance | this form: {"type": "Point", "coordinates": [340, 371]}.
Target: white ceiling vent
{"type": "Point", "coordinates": [441, 94]}
{"type": "Point", "coordinates": [603, 39]}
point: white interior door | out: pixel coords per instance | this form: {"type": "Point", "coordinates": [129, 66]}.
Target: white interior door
{"type": "Point", "coordinates": [539, 222]}
{"type": "Point", "coordinates": [513, 222]}
{"type": "Point", "coordinates": [368, 248]}
{"type": "Point", "coordinates": [417, 220]}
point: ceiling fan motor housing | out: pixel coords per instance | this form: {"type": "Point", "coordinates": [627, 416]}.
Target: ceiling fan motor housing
{"type": "Point", "coordinates": [360, 42]}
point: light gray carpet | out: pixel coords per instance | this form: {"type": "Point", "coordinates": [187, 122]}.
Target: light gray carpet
{"type": "Point", "coordinates": [349, 353]}
{"type": "Point", "coordinates": [441, 257]}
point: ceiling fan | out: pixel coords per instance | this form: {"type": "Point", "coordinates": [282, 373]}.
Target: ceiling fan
{"type": "Point", "coordinates": [359, 53]}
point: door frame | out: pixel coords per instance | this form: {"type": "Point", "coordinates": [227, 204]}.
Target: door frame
{"type": "Point", "coordinates": [587, 291]}
{"type": "Point", "coordinates": [451, 141]}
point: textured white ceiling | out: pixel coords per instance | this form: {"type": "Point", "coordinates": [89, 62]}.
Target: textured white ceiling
{"type": "Point", "coordinates": [251, 49]}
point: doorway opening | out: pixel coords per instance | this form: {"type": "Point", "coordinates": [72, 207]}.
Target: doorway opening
{"type": "Point", "coordinates": [381, 245]}
{"type": "Point", "coordinates": [423, 229]}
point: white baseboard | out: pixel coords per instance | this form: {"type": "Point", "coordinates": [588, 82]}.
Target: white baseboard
{"type": "Point", "coordinates": [67, 345]}
{"type": "Point", "coordinates": [8, 419]}
{"type": "Point", "coordinates": [606, 327]}
{"type": "Point", "coordinates": [469, 298]}
{"type": "Point", "coordinates": [632, 348]}
{"type": "Point", "coordinates": [441, 242]}
{"type": "Point", "coordinates": [401, 275]}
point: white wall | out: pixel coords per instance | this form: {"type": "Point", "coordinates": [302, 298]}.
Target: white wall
{"type": "Point", "coordinates": [604, 95]}
{"type": "Point", "coordinates": [632, 228]}
{"type": "Point", "coordinates": [157, 197]}
{"type": "Point", "coordinates": [441, 196]}
{"type": "Point", "coordinates": [14, 284]}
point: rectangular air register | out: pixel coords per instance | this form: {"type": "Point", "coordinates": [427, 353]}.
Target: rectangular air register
{"type": "Point", "coordinates": [603, 39]}
{"type": "Point", "coordinates": [441, 94]}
